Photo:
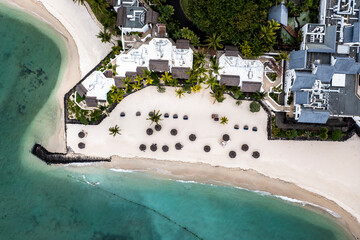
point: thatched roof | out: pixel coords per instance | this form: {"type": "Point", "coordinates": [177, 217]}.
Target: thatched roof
{"type": "Point", "coordinates": [230, 80]}
{"type": "Point", "coordinates": [91, 101]}
{"type": "Point", "coordinates": [226, 137]}
{"type": "Point", "coordinates": [182, 44]}
{"type": "Point", "coordinates": [81, 134]}
{"type": "Point", "coordinates": [250, 86]}
{"type": "Point", "coordinates": [81, 90]}
{"type": "Point", "coordinates": [152, 17]}
{"type": "Point", "coordinates": [173, 132]}
{"type": "Point", "coordinates": [231, 51]}
{"type": "Point", "coordinates": [142, 147]}
{"type": "Point", "coordinates": [192, 137]}
{"type": "Point", "coordinates": [165, 148]}
{"type": "Point", "coordinates": [180, 72]}
{"type": "Point", "coordinates": [108, 73]}
{"type": "Point", "coordinates": [140, 70]}
{"type": "Point", "coordinates": [244, 147]}
{"type": "Point", "coordinates": [119, 82]}
{"type": "Point", "coordinates": [157, 127]}
{"type": "Point", "coordinates": [121, 17]}
{"type": "Point", "coordinates": [153, 147]}
{"type": "Point", "coordinates": [81, 145]}
{"type": "Point", "coordinates": [161, 30]}
{"type": "Point", "coordinates": [131, 75]}
{"type": "Point", "coordinates": [159, 65]}
{"type": "Point", "coordinates": [207, 148]}
{"type": "Point", "coordinates": [232, 154]}
{"type": "Point", "coordinates": [149, 131]}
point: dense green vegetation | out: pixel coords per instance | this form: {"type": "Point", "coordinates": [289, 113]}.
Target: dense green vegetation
{"type": "Point", "coordinates": [305, 5]}
{"type": "Point", "coordinates": [254, 107]}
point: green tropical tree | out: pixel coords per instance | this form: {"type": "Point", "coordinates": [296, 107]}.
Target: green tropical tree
{"type": "Point", "coordinates": [196, 88]}
{"type": "Point", "coordinates": [254, 107]}
{"type": "Point", "coordinates": [99, 6]}
{"type": "Point", "coordinates": [155, 117]}
{"type": "Point", "coordinates": [113, 89]}
{"type": "Point", "coordinates": [199, 59]}
{"type": "Point", "coordinates": [114, 130]}
{"type": "Point", "coordinates": [167, 78]}
{"type": "Point", "coordinates": [282, 56]}
{"type": "Point", "coordinates": [127, 84]}
{"type": "Point", "coordinates": [212, 82]}
{"type": "Point", "coordinates": [180, 92]}
{"type": "Point", "coordinates": [214, 41]}
{"type": "Point", "coordinates": [105, 36]}
{"type": "Point", "coordinates": [224, 120]}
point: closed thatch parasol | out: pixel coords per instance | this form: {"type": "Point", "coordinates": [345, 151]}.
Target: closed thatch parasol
{"type": "Point", "coordinates": [81, 145]}
{"type": "Point", "coordinates": [232, 154]}
{"type": "Point", "coordinates": [166, 115]}
{"type": "Point", "coordinates": [246, 127]}
{"type": "Point", "coordinates": [226, 137]}
{"type": "Point", "coordinates": [122, 114]}
{"type": "Point", "coordinates": [149, 131]}
{"type": "Point", "coordinates": [153, 147]}
{"type": "Point", "coordinates": [142, 147]}
{"type": "Point", "coordinates": [256, 154]}
{"type": "Point", "coordinates": [81, 134]}
{"type": "Point", "coordinates": [138, 113]}
{"type": "Point", "coordinates": [151, 113]}
{"type": "Point", "coordinates": [192, 137]}
{"type": "Point", "coordinates": [165, 148]}
{"type": "Point", "coordinates": [178, 146]}
{"type": "Point", "coordinates": [173, 132]}
{"type": "Point", "coordinates": [244, 147]}
{"type": "Point", "coordinates": [157, 127]}
{"type": "Point", "coordinates": [254, 129]}
{"type": "Point", "coordinates": [207, 148]}
{"type": "Point", "coordinates": [186, 117]}
{"type": "Point", "coordinates": [175, 116]}
{"type": "Point", "coordinates": [236, 126]}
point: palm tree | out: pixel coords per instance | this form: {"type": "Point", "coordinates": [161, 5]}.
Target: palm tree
{"type": "Point", "coordinates": [99, 6]}
{"type": "Point", "coordinates": [212, 82]}
{"type": "Point", "coordinates": [259, 95]}
{"type": "Point", "coordinates": [224, 120]}
{"type": "Point", "coordinates": [199, 59]}
{"type": "Point", "coordinates": [114, 130]}
{"type": "Point", "coordinates": [214, 41]}
{"type": "Point", "coordinates": [196, 88]}
{"type": "Point", "coordinates": [167, 78]}
{"type": "Point", "coordinates": [215, 66]}
{"type": "Point", "coordinates": [180, 92]}
{"type": "Point", "coordinates": [282, 56]}
{"type": "Point", "coordinates": [155, 117]}
{"type": "Point", "coordinates": [104, 35]}
{"type": "Point", "coordinates": [82, 2]}
{"type": "Point", "coordinates": [113, 89]}
{"type": "Point", "coordinates": [127, 84]}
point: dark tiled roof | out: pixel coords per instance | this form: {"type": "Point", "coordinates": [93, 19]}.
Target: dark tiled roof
{"type": "Point", "coordinates": [131, 75]}
{"type": "Point", "coordinates": [152, 17]}
{"type": "Point", "coordinates": [356, 32]}
{"type": "Point", "coordinates": [298, 59]}
{"type": "Point", "coordinates": [301, 97]}
{"type": "Point", "coordinates": [161, 30]}
{"type": "Point", "coordinates": [182, 44]}
{"type": "Point", "coordinates": [119, 82]}
{"type": "Point", "coordinates": [346, 65]}
{"type": "Point", "coordinates": [140, 70]}
{"type": "Point", "coordinates": [314, 116]}
{"type": "Point", "coordinates": [325, 73]}
{"type": "Point", "coordinates": [231, 51]}
{"type": "Point", "coordinates": [121, 17]}
{"type": "Point", "coordinates": [329, 45]}
{"type": "Point", "coordinates": [348, 34]}
{"type": "Point", "coordinates": [81, 90]}
{"type": "Point", "coordinates": [250, 86]}
{"type": "Point", "coordinates": [108, 73]}
{"type": "Point", "coordinates": [159, 65]}
{"type": "Point", "coordinates": [180, 72]}
{"type": "Point", "coordinates": [279, 13]}
{"type": "Point", "coordinates": [304, 80]}
{"type": "Point", "coordinates": [230, 80]}
{"type": "Point", "coordinates": [91, 101]}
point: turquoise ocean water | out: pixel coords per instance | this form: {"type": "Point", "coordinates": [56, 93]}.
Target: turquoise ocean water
{"type": "Point", "coordinates": [51, 202]}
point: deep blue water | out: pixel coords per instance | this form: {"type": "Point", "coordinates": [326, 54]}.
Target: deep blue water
{"type": "Point", "coordinates": [51, 202]}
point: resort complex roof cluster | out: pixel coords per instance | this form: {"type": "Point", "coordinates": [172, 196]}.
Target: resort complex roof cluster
{"type": "Point", "coordinates": [323, 75]}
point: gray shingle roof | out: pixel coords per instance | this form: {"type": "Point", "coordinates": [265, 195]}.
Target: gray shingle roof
{"type": "Point", "coordinates": [325, 73]}
{"type": "Point", "coordinates": [329, 45]}
{"type": "Point", "coordinates": [108, 73]}
{"type": "Point", "coordinates": [314, 116]}
{"type": "Point", "coordinates": [159, 65]}
{"type": "Point", "coordinates": [180, 72]}
{"type": "Point", "coordinates": [356, 32]}
{"type": "Point", "coordinates": [231, 51]}
{"type": "Point", "coordinates": [304, 80]}
{"type": "Point", "coordinates": [348, 34]}
{"type": "Point", "coordinates": [140, 70]}
{"type": "Point", "coordinates": [298, 59]}
{"type": "Point", "coordinates": [279, 13]}
{"type": "Point", "coordinates": [131, 75]}
{"type": "Point", "coordinates": [346, 65]}
{"type": "Point", "coordinates": [301, 97]}
{"type": "Point", "coordinates": [230, 80]}
{"type": "Point", "coordinates": [91, 101]}
{"type": "Point", "coordinates": [250, 86]}
{"type": "Point", "coordinates": [81, 90]}
{"type": "Point", "coordinates": [182, 44]}
{"type": "Point", "coordinates": [119, 82]}
{"type": "Point", "coordinates": [152, 17]}
{"type": "Point", "coordinates": [121, 17]}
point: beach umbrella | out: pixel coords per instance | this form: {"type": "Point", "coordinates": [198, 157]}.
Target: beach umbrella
{"type": "Point", "coordinates": [246, 127]}
{"type": "Point", "coordinates": [207, 148]}
{"type": "Point", "coordinates": [186, 117]}
{"type": "Point", "coordinates": [256, 154]}
{"type": "Point", "coordinates": [151, 113]}
{"type": "Point", "coordinates": [122, 114]}
{"type": "Point", "coordinates": [149, 131]}
{"type": "Point", "coordinates": [153, 147]}
{"type": "Point", "coordinates": [232, 154]}
{"type": "Point", "coordinates": [236, 126]}
{"type": "Point", "coordinates": [157, 127]}
{"type": "Point", "coordinates": [165, 148]}
{"type": "Point", "coordinates": [175, 116]}
{"type": "Point", "coordinates": [81, 145]}
{"type": "Point", "coordinates": [166, 115]}
{"type": "Point", "coordinates": [192, 137]}
{"type": "Point", "coordinates": [173, 132]}
{"type": "Point", "coordinates": [178, 146]}
{"type": "Point", "coordinates": [254, 129]}
{"type": "Point", "coordinates": [244, 147]}
{"type": "Point", "coordinates": [138, 113]}
{"type": "Point", "coordinates": [142, 147]}
{"type": "Point", "coordinates": [81, 134]}
{"type": "Point", "coordinates": [226, 137]}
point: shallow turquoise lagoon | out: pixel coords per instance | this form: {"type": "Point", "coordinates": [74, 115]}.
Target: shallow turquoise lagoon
{"type": "Point", "coordinates": [51, 202]}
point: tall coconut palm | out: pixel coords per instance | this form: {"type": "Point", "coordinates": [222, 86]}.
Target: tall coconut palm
{"type": "Point", "coordinates": [212, 82]}
{"type": "Point", "coordinates": [155, 117]}
{"type": "Point", "coordinates": [224, 120]}
{"type": "Point", "coordinates": [113, 89]}
{"type": "Point", "coordinates": [180, 92]}
{"type": "Point", "coordinates": [282, 56]}
{"type": "Point", "coordinates": [114, 130]}
{"type": "Point", "coordinates": [199, 59]}
{"type": "Point", "coordinates": [167, 78]}
{"type": "Point", "coordinates": [105, 36]}
{"type": "Point", "coordinates": [214, 41]}
{"type": "Point", "coordinates": [196, 88]}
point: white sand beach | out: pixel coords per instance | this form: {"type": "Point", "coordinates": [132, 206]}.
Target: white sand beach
{"type": "Point", "coordinates": [329, 169]}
